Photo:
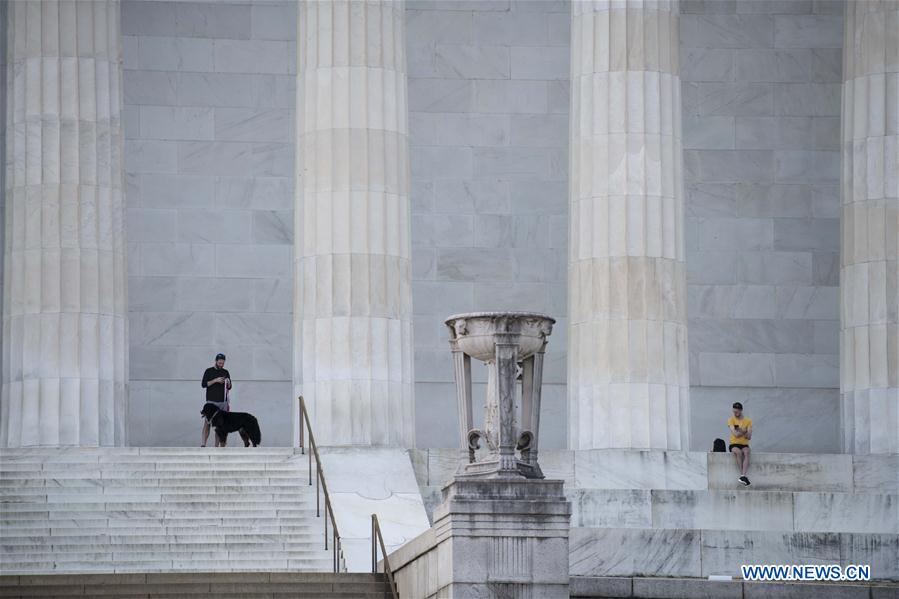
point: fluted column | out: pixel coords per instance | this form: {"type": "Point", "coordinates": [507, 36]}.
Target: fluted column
{"type": "Point", "coordinates": [869, 272]}
{"type": "Point", "coordinates": [65, 351]}
{"type": "Point", "coordinates": [627, 349]}
{"type": "Point", "coordinates": [353, 303]}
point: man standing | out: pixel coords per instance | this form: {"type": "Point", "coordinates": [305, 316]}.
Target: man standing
{"type": "Point", "coordinates": [740, 433]}
{"type": "Point", "coordinates": [217, 382]}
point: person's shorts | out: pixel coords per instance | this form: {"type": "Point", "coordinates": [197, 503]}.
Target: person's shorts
{"type": "Point", "coordinates": [741, 445]}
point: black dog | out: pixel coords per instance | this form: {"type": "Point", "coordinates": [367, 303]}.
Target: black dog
{"type": "Point", "coordinates": [230, 422]}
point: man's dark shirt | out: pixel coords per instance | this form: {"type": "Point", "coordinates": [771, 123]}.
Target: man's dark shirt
{"type": "Point", "coordinates": [214, 393]}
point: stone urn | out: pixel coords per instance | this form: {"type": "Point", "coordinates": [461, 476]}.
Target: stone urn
{"type": "Point", "coordinates": [512, 344]}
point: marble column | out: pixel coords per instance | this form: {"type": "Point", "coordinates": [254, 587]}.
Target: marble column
{"type": "Point", "coordinates": [65, 350]}
{"type": "Point", "coordinates": [869, 225]}
{"type": "Point", "coordinates": [353, 296]}
{"type": "Point", "coordinates": [627, 351]}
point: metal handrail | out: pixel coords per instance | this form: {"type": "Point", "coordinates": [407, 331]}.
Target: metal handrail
{"type": "Point", "coordinates": [376, 539]}
{"type": "Point", "coordinates": [336, 544]}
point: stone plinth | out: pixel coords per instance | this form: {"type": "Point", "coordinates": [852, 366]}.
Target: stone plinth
{"type": "Point", "coordinates": [869, 272]}
{"type": "Point", "coordinates": [353, 278]}
{"type": "Point", "coordinates": [491, 538]}
{"type": "Point", "coordinates": [628, 384]}
{"type": "Point", "coordinates": [65, 321]}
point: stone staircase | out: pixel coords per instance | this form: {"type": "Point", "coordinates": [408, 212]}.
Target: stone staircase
{"type": "Point", "coordinates": [114, 510]}
{"type": "Point", "coordinates": [206, 585]}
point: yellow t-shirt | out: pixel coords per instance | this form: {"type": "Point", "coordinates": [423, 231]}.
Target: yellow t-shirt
{"type": "Point", "coordinates": [744, 423]}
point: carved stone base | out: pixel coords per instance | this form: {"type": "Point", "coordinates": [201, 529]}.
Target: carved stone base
{"type": "Point", "coordinates": [503, 538]}
{"type": "Point", "coordinates": [490, 469]}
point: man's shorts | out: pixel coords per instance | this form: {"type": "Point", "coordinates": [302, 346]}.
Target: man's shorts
{"type": "Point", "coordinates": [741, 445]}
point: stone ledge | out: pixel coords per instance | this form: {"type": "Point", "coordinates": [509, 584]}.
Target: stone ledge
{"type": "Point", "coordinates": [607, 587]}
{"type": "Point", "coordinates": [694, 553]}
{"type": "Point", "coordinates": [692, 470]}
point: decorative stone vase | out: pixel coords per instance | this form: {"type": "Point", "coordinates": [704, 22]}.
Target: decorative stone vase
{"type": "Point", "coordinates": [512, 344]}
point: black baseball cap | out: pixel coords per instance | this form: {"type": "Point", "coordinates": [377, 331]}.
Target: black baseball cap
{"type": "Point", "coordinates": [219, 356]}
{"type": "Point", "coordinates": [737, 405]}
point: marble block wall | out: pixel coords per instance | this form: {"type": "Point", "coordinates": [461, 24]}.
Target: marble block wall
{"type": "Point", "coordinates": [209, 96]}
{"type": "Point", "coordinates": [209, 101]}
{"type": "Point", "coordinates": [761, 125]}
{"type": "Point", "coordinates": [488, 101]}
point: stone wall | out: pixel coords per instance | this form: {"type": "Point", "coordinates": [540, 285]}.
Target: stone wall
{"type": "Point", "coordinates": [761, 101]}
{"type": "Point", "coordinates": [209, 101]}
{"type": "Point", "coordinates": [209, 95]}
{"type": "Point", "coordinates": [488, 97]}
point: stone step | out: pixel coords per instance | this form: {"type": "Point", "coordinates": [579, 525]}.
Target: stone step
{"type": "Point", "coordinates": [112, 456]}
{"type": "Point", "coordinates": [235, 551]}
{"type": "Point", "coordinates": [644, 588]}
{"type": "Point", "coordinates": [104, 514]}
{"type": "Point", "coordinates": [227, 507]}
{"type": "Point", "coordinates": [181, 471]}
{"type": "Point", "coordinates": [808, 472]}
{"type": "Point", "coordinates": [123, 453]}
{"type": "Point", "coordinates": [314, 538]}
{"type": "Point", "coordinates": [264, 462]}
{"type": "Point", "coordinates": [276, 486]}
{"type": "Point", "coordinates": [801, 511]}
{"type": "Point", "coordinates": [153, 471]}
{"type": "Point", "coordinates": [142, 496]}
{"type": "Point", "coordinates": [10, 526]}
{"type": "Point", "coordinates": [244, 585]}
{"type": "Point", "coordinates": [311, 542]}
{"type": "Point", "coordinates": [275, 465]}
{"type": "Point", "coordinates": [188, 564]}
{"type": "Point", "coordinates": [162, 529]}
{"type": "Point", "coordinates": [685, 470]}
{"type": "Point", "coordinates": [176, 516]}
{"type": "Point", "coordinates": [179, 509]}
{"type": "Point", "coordinates": [300, 489]}
{"type": "Point", "coordinates": [698, 553]}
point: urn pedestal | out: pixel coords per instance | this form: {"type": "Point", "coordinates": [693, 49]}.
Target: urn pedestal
{"type": "Point", "coordinates": [502, 529]}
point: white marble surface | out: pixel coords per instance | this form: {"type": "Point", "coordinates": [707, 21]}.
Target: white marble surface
{"type": "Point", "coordinates": [842, 512]}
{"type": "Point", "coordinates": [634, 552]}
{"type": "Point", "coordinates": [610, 508]}
{"type": "Point", "coordinates": [724, 551]}
{"type": "Point", "coordinates": [876, 473]}
{"type": "Point", "coordinates": [784, 471]}
{"type": "Point", "coordinates": [209, 171]}
{"type": "Point", "coordinates": [442, 465]}
{"type": "Point", "coordinates": [722, 510]}
{"type": "Point", "coordinates": [622, 469]}
{"type": "Point", "coordinates": [741, 105]}
{"type": "Point", "coordinates": [776, 414]}
{"type": "Point", "coordinates": [366, 481]}
{"type": "Point", "coordinates": [879, 550]}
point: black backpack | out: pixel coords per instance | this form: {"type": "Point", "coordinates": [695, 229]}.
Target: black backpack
{"type": "Point", "coordinates": [719, 445]}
